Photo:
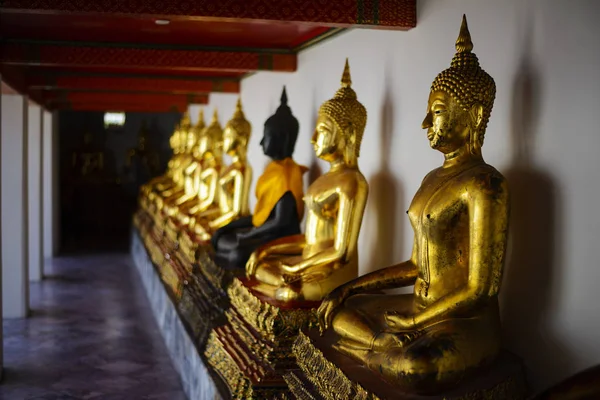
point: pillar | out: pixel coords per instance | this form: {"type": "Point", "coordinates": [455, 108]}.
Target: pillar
{"type": "Point", "coordinates": [1, 316]}
{"type": "Point", "coordinates": [49, 180]}
{"type": "Point", "coordinates": [34, 160]}
{"type": "Point", "coordinates": [15, 271]}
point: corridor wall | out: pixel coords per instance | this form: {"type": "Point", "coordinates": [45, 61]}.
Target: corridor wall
{"type": "Point", "coordinates": [543, 136]}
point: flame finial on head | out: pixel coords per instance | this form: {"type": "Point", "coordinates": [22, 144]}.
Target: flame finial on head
{"type": "Point", "coordinates": [185, 120]}
{"type": "Point", "coordinates": [239, 112]}
{"type": "Point", "coordinates": [200, 124]}
{"type": "Point", "coordinates": [213, 130]}
{"type": "Point", "coordinates": [463, 42]}
{"type": "Point", "coordinates": [284, 127]}
{"type": "Point", "coordinates": [346, 78]}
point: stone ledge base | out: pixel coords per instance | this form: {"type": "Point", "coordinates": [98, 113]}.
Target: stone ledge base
{"type": "Point", "coordinates": [195, 375]}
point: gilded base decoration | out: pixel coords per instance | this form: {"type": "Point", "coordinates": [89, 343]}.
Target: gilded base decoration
{"type": "Point", "coordinates": [194, 286]}
{"type": "Point", "coordinates": [252, 349]}
{"type": "Point", "coordinates": [326, 374]}
{"type": "Point", "coordinates": [196, 378]}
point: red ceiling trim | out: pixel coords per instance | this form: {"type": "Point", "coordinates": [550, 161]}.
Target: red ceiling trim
{"type": "Point", "coordinates": [131, 102]}
{"type": "Point", "coordinates": [392, 14]}
{"type": "Point", "coordinates": [122, 107]}
{"type": "Point", "coordinates": [135, 84]}
{"type": "Point", "coordinates": [36, 54]}
{"type": "Point", "coordinates": [129, 98]}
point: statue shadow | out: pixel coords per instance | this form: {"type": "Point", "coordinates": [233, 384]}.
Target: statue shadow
{"type": "Point", "coordinates": [385, 197]}
{"type": "Point", "coordinates": [530, 287]}
{"type": "Point", "coordinates": [314, 168]}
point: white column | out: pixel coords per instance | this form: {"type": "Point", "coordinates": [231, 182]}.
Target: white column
{"type": "Point", "coordinates": [34, 160]}
{"type": "Point", "coordinates": [1, 316]}
{"type": "Point", "coordinates": [55, 184]}
{"type": "Point", "coordinates": [48, 177]}
{"type": "Point", "coordinates": [15, 280]}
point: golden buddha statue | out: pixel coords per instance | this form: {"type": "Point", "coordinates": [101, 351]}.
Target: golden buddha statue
{"type": "Point", "coordinates": [309, 266]}
{"type": "Point", "coordinates": [279, 195]}
{"type": "Point", "coordinates": [234, 181]}
{"type": "Point", "coordinates": [150, 189]}
{"type": "Point", "coordinates": [182, 183]}
{"type": "Point", "coordinates": [450, 324]}
{"type": "Point", "coordinates": [162, 182]}
{"type": "Point", "coordinates": [209, 160]}
{"type": "Point", "coordinates": [161, 189]}
{"type": "Point", "coordinates": [190, 181]}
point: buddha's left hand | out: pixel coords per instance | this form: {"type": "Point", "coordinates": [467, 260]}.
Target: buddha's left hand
{"type": "Point", "coordinates": [399, 322]}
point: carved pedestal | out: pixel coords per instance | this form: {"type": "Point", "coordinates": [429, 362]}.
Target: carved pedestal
{"type": "Point", "coordinates": [178, 324]}
{"type": "Point", "coordinates": [253, 348]}
{"type": "Point", "coordinates": [326, 374]}
{"type": "Point", "coordinates": [143, 222]}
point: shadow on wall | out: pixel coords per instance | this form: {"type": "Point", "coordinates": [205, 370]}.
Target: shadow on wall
{"type": "Point", "coordinates": [385, 195]}
{"type": "Point", "coordinates": [314, 169]}
{"type": "Point", "coordinates": [530, 284]}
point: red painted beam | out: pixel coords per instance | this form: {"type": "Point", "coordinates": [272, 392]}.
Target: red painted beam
{"type": "Point", "coordinates": [120, 101]}
{"type": "Point", "coordinates": [391, 14]}
{"type": "Point", "coordinates": [137, 98]}
{"type": "Point", "coordinates": [36, 54]}
{"type": "Point", "coordinates": [120, 107]}
{"type": "Point", "coordinates": [134, 84]}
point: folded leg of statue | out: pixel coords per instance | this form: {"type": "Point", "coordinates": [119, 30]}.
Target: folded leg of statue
{"type": "Point", "coordinates": [439, 353]}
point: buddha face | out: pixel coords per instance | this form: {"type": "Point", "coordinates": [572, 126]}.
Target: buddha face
{"type": "Point", "coordinates": [448, 125]}
{"type": "Point", "coordinates": [173, 141]}
{"type": "Point", "coordinates": [231, 140]}
{"type": "Point", "coordinates": [203, 144]}
{"type": "Point", "coordinates": [325, 140]}
{"type": "Point", "coordinates": [268, 144]}
{"type": "Point", "coordinates": [190, 139]}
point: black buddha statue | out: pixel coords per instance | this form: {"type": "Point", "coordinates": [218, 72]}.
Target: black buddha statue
{"type": "Point", "coordinates": [279, 193]}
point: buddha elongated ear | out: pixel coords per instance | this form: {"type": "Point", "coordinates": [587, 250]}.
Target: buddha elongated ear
{"type": "Point", "coordinates": [476, 114]}
{"type": "Point", "coordinates": [476, 136]}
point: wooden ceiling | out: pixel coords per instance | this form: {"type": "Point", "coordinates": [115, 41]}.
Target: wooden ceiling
{"type": "Point", "coordinates": [158, 55]}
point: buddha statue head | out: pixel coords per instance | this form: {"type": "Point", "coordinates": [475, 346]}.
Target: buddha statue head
{"type": "Point", "coordinates": [175, 140]}
{"type": "Point", "coordinates": [281, 131]}
{"type": "Point", "coordinates": [196, 130]}
{"type": "Point", "coordinates": [210, 137]}
{"type": "Point", "coordinates": [236, 133]}
{"type": "Point", "coordinates": [188, 134]}
{"type": "Point", "coordinates": [460, 101]}
{"type": "Point", "coordinates": [340, 125]}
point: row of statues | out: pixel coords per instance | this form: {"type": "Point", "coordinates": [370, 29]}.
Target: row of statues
{"type": "Point", "coordinates": [432, 337]}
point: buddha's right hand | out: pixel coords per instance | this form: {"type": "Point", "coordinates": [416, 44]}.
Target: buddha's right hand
{"type": "Point", "coordinates": [252, 264]}
{"type": "Point", "coordinates": [327, 309]}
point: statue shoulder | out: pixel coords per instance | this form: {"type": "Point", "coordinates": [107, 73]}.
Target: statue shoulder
{"type": "Point", "coordinates": [489, 180]}
{"type": "Point", "coordinates": [352, 182]}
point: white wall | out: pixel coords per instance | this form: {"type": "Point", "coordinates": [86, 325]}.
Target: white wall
{"type": "Point", "coordinates": [15, 282]}
{"type": "Point", "coordinates": [543, 135]}
{"type": "Point", "coordinates": [34, 160]}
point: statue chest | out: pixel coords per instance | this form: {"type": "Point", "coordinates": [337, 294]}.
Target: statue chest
{"type": "Point", "coordinates": [439, 217]}
{"type": "Point", "coordinates": [322, 198]}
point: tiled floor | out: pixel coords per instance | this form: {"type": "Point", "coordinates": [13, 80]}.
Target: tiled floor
{"type": "Point", "coordinates": [91, 335]}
